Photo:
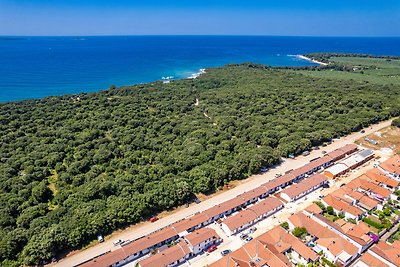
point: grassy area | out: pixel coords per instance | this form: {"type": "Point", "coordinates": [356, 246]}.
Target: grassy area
{"type": "Point", "coordinates": [386, 138]}
{"type": "Point", "coordinates": [365, 70]}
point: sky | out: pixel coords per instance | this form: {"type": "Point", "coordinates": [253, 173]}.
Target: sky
{"type": "Point", "coordinates": [200, 17]}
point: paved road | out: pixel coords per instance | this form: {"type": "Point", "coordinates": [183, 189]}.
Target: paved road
{"type": "Point", "coordinates": [250, 183]}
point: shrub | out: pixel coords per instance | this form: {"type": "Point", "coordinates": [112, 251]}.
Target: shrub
{"type": "Point", "coordinates": [285, 225]}
{"type": "Point", "coordinates": [300, 232]}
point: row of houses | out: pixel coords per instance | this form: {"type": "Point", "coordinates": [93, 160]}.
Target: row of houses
{"type": "Point", "coordinates": [277, 248]}
{"type": "Point", "coordinates": [134, 250]}
{"type": "Point", "coordinates": [190, 246]}
{"type": "Point", "coordinates": [342, 242]}
{"type": "Point", "coordinates": [349, 163]}
{"type": "Point", "coordinates": [245, 218]}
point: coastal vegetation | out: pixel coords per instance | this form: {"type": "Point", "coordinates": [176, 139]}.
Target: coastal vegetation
{"type": "Point", "coordinates": [72, 167]}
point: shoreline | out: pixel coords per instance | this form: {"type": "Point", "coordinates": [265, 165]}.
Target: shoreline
{"type": "Point", "coordinates": [311, 60]}
{"type": "Point", "coordinates": [197, 74]}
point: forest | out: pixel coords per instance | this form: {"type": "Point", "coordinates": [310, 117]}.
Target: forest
{"type": "Point", "coordinates": [75, 166]}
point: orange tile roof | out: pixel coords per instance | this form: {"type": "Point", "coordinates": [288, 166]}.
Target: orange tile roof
{"type": "Point", "coordinates": [314, 209]}
{"type": "Point", "coordinates": [378, 176]}
{"type": "Point", "coordinates": [304, 185]}
{"type": "Point", "coordinates": [266, 205]}
{"type": "Point", "coordinates": [241, 218]}
{"type": "Point", "coordinates": [107, 259]}
{"type": "Point", "coordinates": [190, 222]}
{"type": "Point", "coordinates": [256, 192]}
{"type": "Point", "coordinates": [201, 235]}
{"type": "Point", "coordinates": [392, 164]}
{"type": "Point", "coordinates": [313, 228]}
{"type": "Point", "coordinates": [341, 206]}
{"type": "Point", "coordinates": [149, 240]}
{"type": "Point", "coordinates": [349, 148]}
{"type": "Point", "coordinates": [224, 207]}
{"type": "Point", "coordinates": [283, 241]}
{"type": "Point", "coordinates": [279, 181]}
{"type": "Point", "coordinates": [166, 257]}
{"type": "Point", "coordinates": [337, 245]}
{"type": "Point", "coordinates": [370, 260]}
{"type": "Point", "coordinates": [389, 252]}
{"type": "Point", "coordinates": [364, 183]}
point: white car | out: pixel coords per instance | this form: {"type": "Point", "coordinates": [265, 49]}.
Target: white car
{"type": "Point", "coordinates": [118, 242]}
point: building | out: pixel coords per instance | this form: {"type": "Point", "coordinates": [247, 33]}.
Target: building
{"type": "Point", "coordinates": [358, 159]}
{"type": "Point", "coordinates": [266, 207]}
{"type": "Point", "coordinates": [349, 163]}
{"type": "Point", "coordinates": [391, 167]}
{"type": "Point", "coordinates": [201, 239]}
{"type": "Point", "coordinates": [388, 253]}
{"type": "Point", "coordinates": [377, 176]}
{"type": "Point", "coordinates": [336, 170]}
{"type": "Point", "coordinates": [342, 207]}
{"type": "Point", "coordinates": [303, 188]}
{"type": "Point", "coordinates": [190, 224]}
{"type": "Point", "coordinates": [170, 257]}
{"type": "Point", "coordinates": [368, 260]}
{"type": "Point", "coordinates": [239, 222]}
{"type": "Point", "coordinates": [135, 249]}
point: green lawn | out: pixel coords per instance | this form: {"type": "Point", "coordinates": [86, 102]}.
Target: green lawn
{"type": "Point", "coordinates": [366, 70]}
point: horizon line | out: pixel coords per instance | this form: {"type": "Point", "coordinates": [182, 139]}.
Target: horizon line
{"type": "Point", "coordinates": [207, 35]}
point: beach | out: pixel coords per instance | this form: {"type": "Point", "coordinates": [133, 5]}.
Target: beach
{"type": "Point", "coordinates": [311, 60]}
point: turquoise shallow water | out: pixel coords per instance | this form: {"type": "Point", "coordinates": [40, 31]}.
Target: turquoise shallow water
{"type": "Point", "coordinates": [34, 67]}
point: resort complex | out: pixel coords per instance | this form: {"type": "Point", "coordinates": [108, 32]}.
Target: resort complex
{"type": "Point", "coordinates": [349, 226]}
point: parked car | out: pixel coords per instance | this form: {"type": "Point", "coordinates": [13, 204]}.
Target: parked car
{"type": "Point", "coordinates": [362, 131]}
{"type": "Point", "coordinates": [247, 240]}
{"type": "Point", "coordinates": [153, 219]}
{"type": "Point", "coordinates": [252, 230]}
{"type": "Point", "coordinates": [100, 238]}
{"type": "Point", "coordinates": [291, 156]}
{"type": "Point", "coordinates": [118, 242]}
{"type": "Point", "coordinates": [197, 200]}
{"type": "Point", "coordinates": [306, 153]}
{"type": "Point", "coordinates": [324, 152]}
{"type": "Point", "coordinates": [186, 205]}
{"type": "Point", "coordinates": [226, 252]}
{"type": "Point", "coordinates": [212, 248]}
{"type": "Point", "coordinates": [243, 236]}
{"type": "Point", "coordinates": [278, 175]}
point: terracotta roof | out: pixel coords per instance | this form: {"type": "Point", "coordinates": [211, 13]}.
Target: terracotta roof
{"type": "Point", "coordinates": [131, 248]}
{"type": "Point", "coordinates": [255, 253]}
{"type": "Point", "coordinates": [365, 184]}
{"type": "Point", "coordinates": [336, 245]}
{"type": "Point", "coordinates": [349, 148]}
{"type": "Point", "coordinates": [336, 154]}
{"type": "Point", "coordinates": [149, 240]}
{"type": "Point", "coordinates": [279, 181]}
{"type": "Point", "coordinates": [256, 192]}
{"type": "Point", "coordinates": [201, 235]}
{"type": "Point", "coordinates": [313, 228]}
{"type": "Point", "coordinates": [266, 205]}
{"type": "Point", "coordinates": [166, 257]}
{"type": "Point", "coordinates": [341, 206]}
{"type": "Point", "coordinates": [282, 241]}
{"type": "Point", "coordinates": [305, 185]}
{"type": "Point", "coordinates": [190, 222]}
{"type": "Point", "coordinates": [314, 209]}
{"type": "Point", "coordinates": [378, 176]}
{"type": "Point", "coordinates": [369, 260]}
{"type": "Point", "coordinates": [241, 218]}
{"type": "Point", "coordinates": [392, 165]}
{"type": "Point", "coordinates": [107, 259]}
{"type": "Point", "coordinates": [224, 207]}
{"type": "Point", "coordinates": [389, 252]}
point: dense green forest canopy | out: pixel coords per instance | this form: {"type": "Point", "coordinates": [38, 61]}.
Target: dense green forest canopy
{"type": "Point", "coordinates": [75, 166]}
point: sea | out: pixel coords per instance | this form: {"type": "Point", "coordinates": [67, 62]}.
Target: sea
{"type": "Point", "coordinates": [36, 67]}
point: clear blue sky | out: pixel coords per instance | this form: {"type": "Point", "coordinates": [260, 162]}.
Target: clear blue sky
{"type": "Point", "coordinates": [228, 17]}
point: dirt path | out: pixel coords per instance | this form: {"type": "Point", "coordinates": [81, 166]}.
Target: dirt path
{"type": "Point", "coordinates": [252, 182]}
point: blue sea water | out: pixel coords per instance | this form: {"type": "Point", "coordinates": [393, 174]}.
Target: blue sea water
{"type": "Point", "coordinates": [35, 67]}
